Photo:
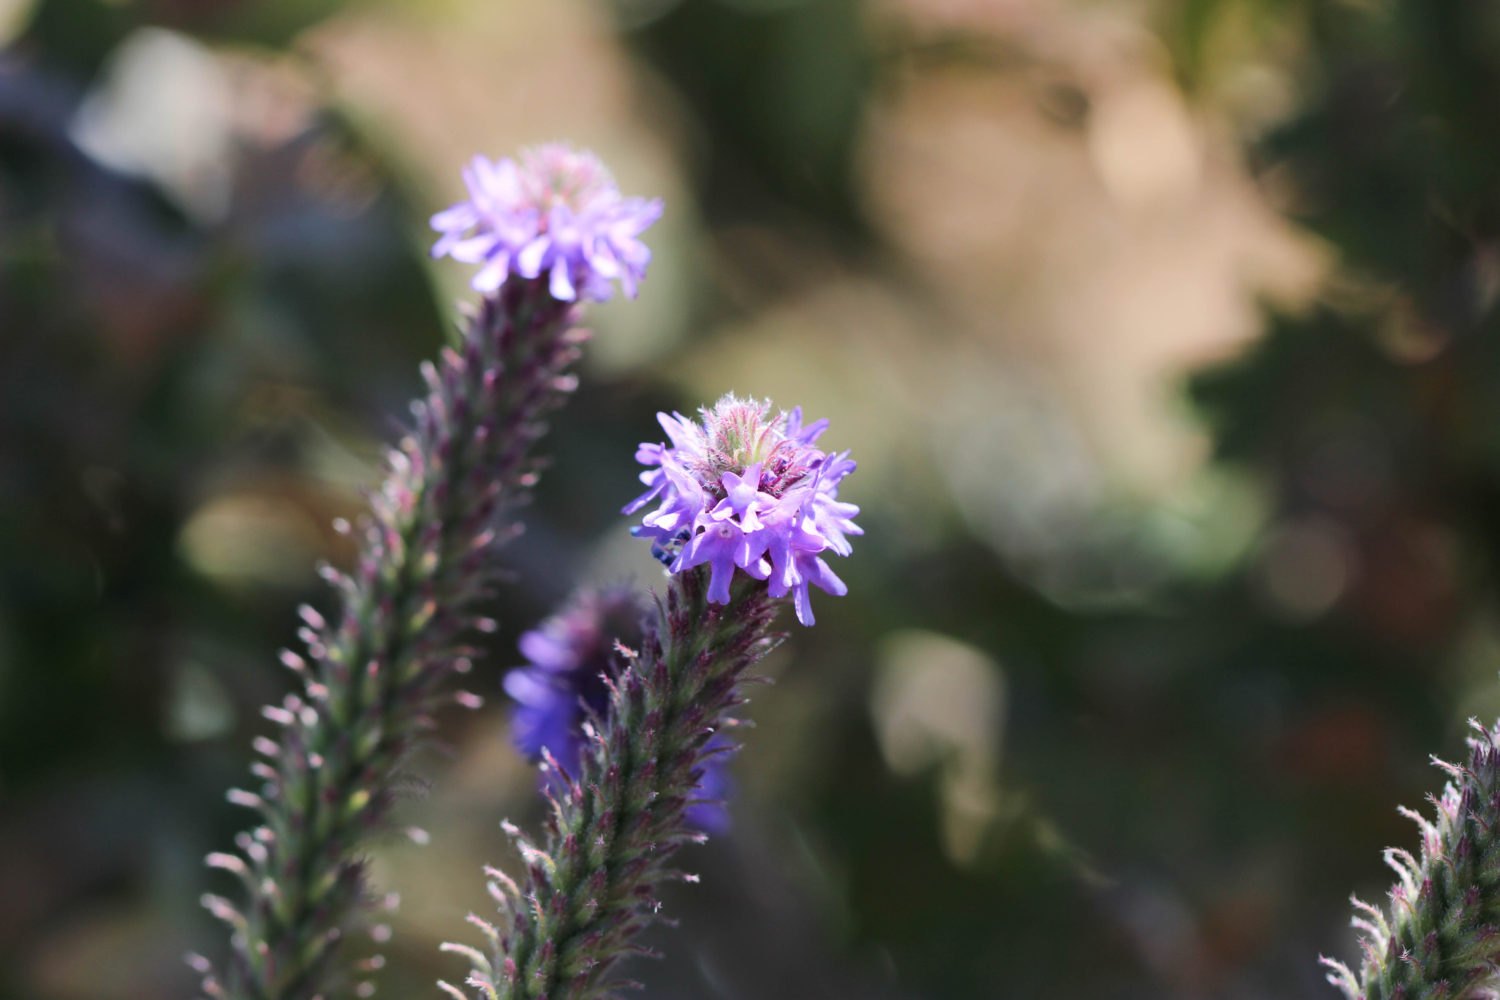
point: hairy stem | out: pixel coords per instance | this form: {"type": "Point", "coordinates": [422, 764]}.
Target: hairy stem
{"type": "Point", "coordinates": [614, 829]}
{"type": "Point", "coordinates": [371, 681]}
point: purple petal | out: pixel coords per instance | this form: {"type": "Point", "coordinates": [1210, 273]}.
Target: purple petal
{"type": "Point", "coordinates": [657, 481]}
{"type": "Point", "coordinates": [455, 217]}
{"type": "Point", "coordinates": [561, 285]}
{"type": "Point", "coordinates": [492, 275]}
{"type": "Point", "coordinates": [478, 248]}
{"type": "Point", "coordinates": [533, 257]}
{"type": "Point", "coordinates": [817, 571]}
{"type": "Point", "coordinates": [803, 604]}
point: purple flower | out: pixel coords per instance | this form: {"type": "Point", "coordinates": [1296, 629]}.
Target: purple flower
{"type": "Point", "coordinates": [707, 811]}
{"type": "Point", "coordinates": [568, 658]}
{"type": "Point", "coordinates": [747, 490]}
{"type": "Point", "coordinates": [555, 214]}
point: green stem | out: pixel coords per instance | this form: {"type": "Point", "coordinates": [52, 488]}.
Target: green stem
{"type": "Point", "coordinates": [375, 679]}
{"type": "Point", "coordinates": [615, 828]}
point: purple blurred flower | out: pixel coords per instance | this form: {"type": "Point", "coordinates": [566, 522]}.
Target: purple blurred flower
{"type": "Point", "coordinates": [569, 655]}
{"type": "Point", "coordinates": [555, 213]}
{"type": "Point", "coordinates": [747, 490]}
{"type": "Point", "coordinates": [708, 812]}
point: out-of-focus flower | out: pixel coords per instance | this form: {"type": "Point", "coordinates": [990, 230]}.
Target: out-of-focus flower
{"type": "Point", "coordinates": [554, 214]}
{"type": "Point", "coordinates": [570, 659]}
{"type": "Point", "coordinates": [708, 811]}
{"type": "Point", "coordinates": [750, 490]}
{"type": "Point", "coordinates": [569, 656]}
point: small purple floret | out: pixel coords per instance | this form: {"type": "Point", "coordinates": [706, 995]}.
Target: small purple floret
{"type": "Point", "coordinates": [749, 491]}
{"type": "Point", "coordinates": [555, 214]}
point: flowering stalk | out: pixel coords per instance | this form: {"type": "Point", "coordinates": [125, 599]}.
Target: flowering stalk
{"type": "Point", "coordinates": [615, 826]}
{"type": "Point", "coordinates": [371, 680]}
{"type": "Point", "coordinates": [749, 494]}
{"type": "Point", "coordinates": [1441, 938]}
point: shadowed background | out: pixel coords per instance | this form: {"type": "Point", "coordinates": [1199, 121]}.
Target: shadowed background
{"type": "Point", "coordinates": [1163, 332]}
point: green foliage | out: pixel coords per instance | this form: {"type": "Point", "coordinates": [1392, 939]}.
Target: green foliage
{"type": "Point", "coordinates": [780, 90]}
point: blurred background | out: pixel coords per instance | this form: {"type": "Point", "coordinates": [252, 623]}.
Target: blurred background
{"type": "Point", "coordinates": [1164, 334]}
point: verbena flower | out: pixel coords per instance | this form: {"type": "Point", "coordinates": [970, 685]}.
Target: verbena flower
{"type": "Point", "coordinates": [569, 657]}
{"type": "Point", "coordinates": [372, 673]}
{"type": "Point", "coordinates": [1440, 939]}
{"type": "Point", "coordinates": [553, 214]}
{"type": "Point", "coordinates": [748, 490]}
{"type": "Point", "coordinates": [572, 660]}
{"type": "Point", "coordinates": [592, 886]}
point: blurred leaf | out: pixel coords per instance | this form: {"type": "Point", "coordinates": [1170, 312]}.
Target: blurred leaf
{"type": "Point", "coordinates": [75, 36]}
{"type": "Point", "coordinates": [780, 89]}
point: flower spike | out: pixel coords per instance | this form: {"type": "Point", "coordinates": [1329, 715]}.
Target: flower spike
{"type": "Point", "coordinates": [373, 673]}
{"type": "Point", "coordinates": [1441, 937]}
{"type": "Point", "coordinates": [741, 498]}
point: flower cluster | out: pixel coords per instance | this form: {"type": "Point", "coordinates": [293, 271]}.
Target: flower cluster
{"type": "Point", "coordinates": [572, 659]}
{"type": "Point", "coordinates": [750, 490]}
{"type": "Point", "coordinates": [554, 212]}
